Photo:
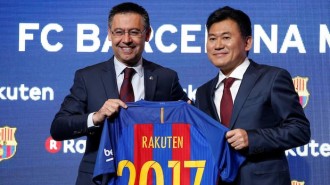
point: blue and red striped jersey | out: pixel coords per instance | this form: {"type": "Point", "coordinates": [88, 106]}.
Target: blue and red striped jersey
{"type": "Point", "coordinates": [165, 143]}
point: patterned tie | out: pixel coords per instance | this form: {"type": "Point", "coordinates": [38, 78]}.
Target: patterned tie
{"type": "Point", "coordinates": [226, 104]}
{"type": "Point", "coordinates": [126, 89]}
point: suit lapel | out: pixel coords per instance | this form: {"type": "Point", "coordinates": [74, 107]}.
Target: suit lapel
{"type": "Point", "coordinates": [249, 79]}
{"type": "Point", "coordinates": [210, 98]}
{"type": "Point", "coordinates": [150, 80]}
{"type": "Point", "coordinates": [109, 80]}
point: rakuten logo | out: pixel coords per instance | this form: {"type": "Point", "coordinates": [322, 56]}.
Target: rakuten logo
{"type": "Point", "coordinates": [67, 146]}
{"type": "Point", "coordinates": [26, 93]}
{"type": "Point", "coordinates": [311, 149]}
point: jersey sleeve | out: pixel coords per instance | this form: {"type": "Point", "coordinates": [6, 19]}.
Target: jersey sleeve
{"type": "Point", "coordinates": [104, 164]}
{"type": "Point", "coordinates": [229, 160]}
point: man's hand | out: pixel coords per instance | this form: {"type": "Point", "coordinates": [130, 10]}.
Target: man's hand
{"type": "Point", "coordinates": [237, 138]}
{"type": "Point", "coordinates": [109, 109]}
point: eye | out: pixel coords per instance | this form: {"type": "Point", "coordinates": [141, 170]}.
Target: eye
{"type": "Point", "coordinates": [118, 32]}
{"type": "Point", "coordinates": [212, 38]}
{"type": "Point", "coordinates": [134, 32]}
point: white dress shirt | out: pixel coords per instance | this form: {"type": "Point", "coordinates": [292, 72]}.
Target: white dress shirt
{"type": "Point", "coordinates": [137, 83]}
{"type": "Point", "coordinates": [238, 75]}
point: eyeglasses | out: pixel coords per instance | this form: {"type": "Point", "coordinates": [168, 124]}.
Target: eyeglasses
{"type": "Point", "coordinates": [132, 33]}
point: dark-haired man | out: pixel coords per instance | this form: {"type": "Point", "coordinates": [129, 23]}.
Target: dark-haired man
{"type": "Point", "coordinates": [261, 106]}
{"type": "Point", "coordinates": [94, 95]}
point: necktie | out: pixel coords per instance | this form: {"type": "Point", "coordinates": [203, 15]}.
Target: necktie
{"type": "Point", "coordinates": [226, 104]}
{"type": "Point", "coordinates": [126, 90]}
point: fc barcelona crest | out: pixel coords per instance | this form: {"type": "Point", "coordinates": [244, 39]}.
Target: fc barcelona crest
{"type": "Point", "coordinates": [300, 85]}
{"type": "Point", "coordinates": [7, 143]}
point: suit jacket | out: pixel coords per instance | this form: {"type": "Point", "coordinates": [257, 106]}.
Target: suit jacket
{"type": "Point", "coordinates": [268, 108]}
{"type": "Point", "coordinates": [92, 86]}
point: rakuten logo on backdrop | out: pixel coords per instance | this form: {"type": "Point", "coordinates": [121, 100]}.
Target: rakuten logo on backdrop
{"type": "Point", "coordinates": [66, 146]}
{"type": "Point", "coordinates": [26, 93]}
{"type": "Point", "coordinates": [312, 149]}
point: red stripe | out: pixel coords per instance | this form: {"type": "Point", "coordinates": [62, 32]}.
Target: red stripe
{"type": "Point", "coordinates": [142, 154]}
{"type": "Point", "coordinates": [8, 151]}
{"type": "Point", "coordinates": [1, 156]}
{"type": "Point", "coordinates": [301, 100]}
{"type": "Point", "coordinates": [182, 154]}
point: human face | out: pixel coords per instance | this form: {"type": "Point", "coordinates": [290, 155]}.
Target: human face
{"type": "Point", "coordinates": [226, 48]}
{"type": "Point", "coordinates": [128, 49]}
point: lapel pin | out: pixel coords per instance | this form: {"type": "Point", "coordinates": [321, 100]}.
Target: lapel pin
{"type": "Point", "coordinates": [151, 78]}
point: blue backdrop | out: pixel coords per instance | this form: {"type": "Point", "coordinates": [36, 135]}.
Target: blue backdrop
{"type": "Point", "coordinates": [43, 43]}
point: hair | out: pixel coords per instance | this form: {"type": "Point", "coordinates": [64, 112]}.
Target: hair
{"type": "Point", "coordinates": [129, 7]}
{"type": "Point", "coordinates": [238, 16]}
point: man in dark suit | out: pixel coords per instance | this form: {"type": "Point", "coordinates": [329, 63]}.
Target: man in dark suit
{"type": "Point", "coordinates": [94, 95]}
{"type": "Point", "coordinates": [266, 118]}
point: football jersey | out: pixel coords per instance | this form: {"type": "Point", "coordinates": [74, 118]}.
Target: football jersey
{"type": "Point", "coordinates": [165, 143]}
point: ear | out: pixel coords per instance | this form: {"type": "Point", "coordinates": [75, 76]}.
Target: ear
{"type": "Point", "coordinates": [148, 34]}
{"type": "Point", "coordinates": [248, 43]}
{"type": "Point", "coordinates": [109, 34]}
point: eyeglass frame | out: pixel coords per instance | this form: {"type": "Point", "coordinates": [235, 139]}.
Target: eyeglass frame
{"type": "Point", "coordinates": [123, 32]}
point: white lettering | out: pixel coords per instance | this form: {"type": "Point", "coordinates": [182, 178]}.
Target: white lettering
{"type": "Point", "coordinates": [107, 152]}
{"type": "Point", "coordinates": [302, 151]}
{"type": "Point", "coordinates": [293, 39]}
{"type": "Point", "coordinates": [92, 37]}
{"type": "Point", "coordinates": [80, 146]}
{"type": "Point", "coordinates": [52, 144]}
{"type": "Point", "coordinates": [312, 148]}
{"type": "Point", "coordinates": [190, 92]}
{"type": "Point", "coordinates": [107, 44]}
{"type": "Point", "coordinates": [25, 93]}
{"type": "Point", "coordinates": [325, 149]}
{"type": "Point", "coordinates": [68, 145]}
{"type": "Point", "coordinates": [324, 38]}
{"type": "Point", "coordinates": [35, 93]}
{"type": "Point", "coordinates": [74, 146]}
{"type": "Point", "coordinates": [158, 38]}
{"type": "Point", "coordinates": [88, 38]}
{"type": "Point", "coordinates": [22, 90]}
{"type": "Point", "coordinates": [147, 47]}
{"type": "Point", "coordinates": [23, 36]}
{"type": "Point", "coordinates": [44, 37]}
{"type": "Point", "coordinates": [260, 34]}
{"type": "Point", "coordinates": [185, 38]}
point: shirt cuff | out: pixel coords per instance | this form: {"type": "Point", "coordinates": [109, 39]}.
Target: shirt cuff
{"type": "Point", "coordinates": [90, 123]}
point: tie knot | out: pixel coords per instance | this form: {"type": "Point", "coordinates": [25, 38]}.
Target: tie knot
{"type": "Point", "coordinates": [228, 82]}
{"type": "Point", "coordinates": [128, 73]}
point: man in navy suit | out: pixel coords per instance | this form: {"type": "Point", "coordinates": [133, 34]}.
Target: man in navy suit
{"type": "Point", "coordinates": [266, 118]}
{"type": "Point", "coordinates": [94, 95]}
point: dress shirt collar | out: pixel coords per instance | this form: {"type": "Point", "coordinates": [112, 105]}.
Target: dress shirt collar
{"type": "Point", "coordinates": [237, 73]}
{"type": "Point", "coordinates": [119, 67]}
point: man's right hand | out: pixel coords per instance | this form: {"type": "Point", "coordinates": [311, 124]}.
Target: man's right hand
{"type": "Point", "coordinates": [109, 109]}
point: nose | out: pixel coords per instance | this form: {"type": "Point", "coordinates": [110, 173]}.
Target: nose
{"type": "Point", "coordinates": [218, 44]}
{"type": "Point", "coordinates": [126, 37]}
